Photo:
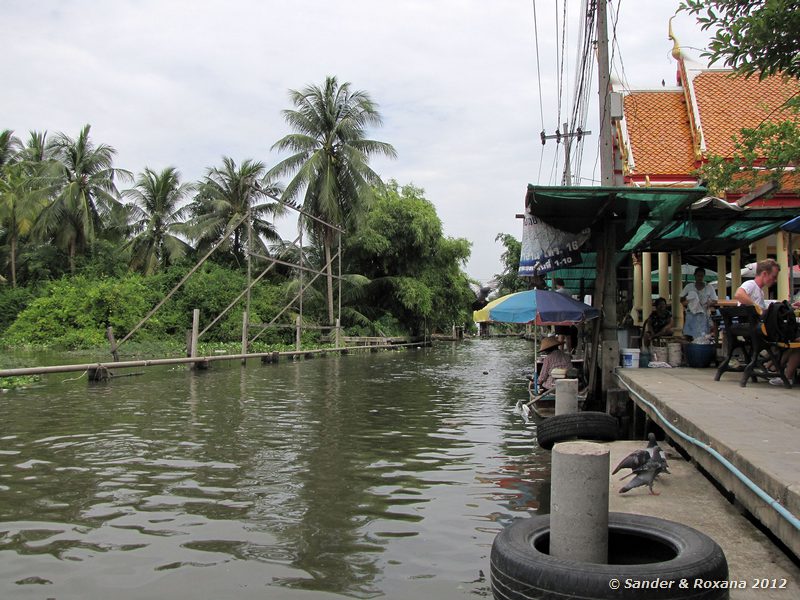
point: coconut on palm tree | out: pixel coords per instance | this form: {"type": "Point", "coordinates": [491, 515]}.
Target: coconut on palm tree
{"type": "Point", "coordinates": [225, 197]}
{"type": "Point", "coordinates": [330, 159]}
{"type": "Point", "coordinates": [87, 195]}
{"type": "Point", "coordinates": [156, 216]}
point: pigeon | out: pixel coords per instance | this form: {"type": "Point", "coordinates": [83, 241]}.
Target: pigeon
{"type": "Point", "coordinates": [646, 475]}
{"type": "Point", "coordinates": [637, 459]}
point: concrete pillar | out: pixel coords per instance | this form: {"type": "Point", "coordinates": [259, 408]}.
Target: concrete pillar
{"type": "Point", "coordinates": [637, 289]}
{"type": "Point", "coordinates": [736, 271]}
{"type": "Point", "coordinates": [677, 287]}
{"type": "Point", "coordinates": [647, 285]}
{"type": "Point", "coordinates": [579, 502]}
{"type": "Point", "coordinates": [782, 256]}
{"type": "Point", "coordinates": [722, 282]}
{"type": "Point", "coordinates": [566, 396]}
{"type": "Point", "coordinates": [663, 274]}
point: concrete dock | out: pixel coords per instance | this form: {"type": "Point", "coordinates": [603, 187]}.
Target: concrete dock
{"type": "Point", "coordinates": [757, 428]}
{"type": "Point", "coordinates": [687, 497]}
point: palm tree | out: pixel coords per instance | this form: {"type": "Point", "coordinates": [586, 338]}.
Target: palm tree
{"type": "Point", "coordinates": [9, 147]}
{"type": "Point", "coordinates": [88, 193]}
{"type": "Point", "coordinates": [22, 199]}
{"type": "Point", "coordinates": [156, 216]}
{"type": "Point", "coordinates": [225, 196]}
{"type": "Point", "coordinates": [330, 159]}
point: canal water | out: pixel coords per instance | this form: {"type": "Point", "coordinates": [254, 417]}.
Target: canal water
{"type": "Point", "coordinates": [371, 475]}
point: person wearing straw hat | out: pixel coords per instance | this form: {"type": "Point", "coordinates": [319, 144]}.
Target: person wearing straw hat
{"type": "Point", "coordinates": [555, 358]}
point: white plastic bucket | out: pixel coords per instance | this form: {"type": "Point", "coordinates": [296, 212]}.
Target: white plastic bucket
{"type": "Point", "coordinates": [674, 354]}
{"type": "Point", "coordinates": [630, 358]}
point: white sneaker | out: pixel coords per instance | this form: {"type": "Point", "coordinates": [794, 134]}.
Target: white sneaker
{"type": "Point", "coordinates": [776, 381]}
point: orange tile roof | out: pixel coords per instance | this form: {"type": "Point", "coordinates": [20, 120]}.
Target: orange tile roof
{"type": "Point", "coordinates": [728, 103]}
{"type": "Point", "coordinates": [658, 129]}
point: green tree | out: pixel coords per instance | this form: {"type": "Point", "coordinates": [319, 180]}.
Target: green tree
{"type": "Point", "coordinates": [416, 273]}
{"type": "Point", "coordinates": [87, 195]}
{"type": "Point", "coordinates": [509, 280]}
{"type": "Point", "coordinates": [225, 196]}
{"type": "Point", "coordinates": [22, 199]}
{"type": "Point", "coordinates": [752, 36]}
{"type": "Point", "coordinates": [156, 218]}
{"type": "Point", "coordinates": [330, 159]}
{"type": "Point", "coordinates": [9, 147]}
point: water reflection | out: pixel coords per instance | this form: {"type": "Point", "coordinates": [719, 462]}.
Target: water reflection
{"type": "Point", "coordinates": [365, 475]}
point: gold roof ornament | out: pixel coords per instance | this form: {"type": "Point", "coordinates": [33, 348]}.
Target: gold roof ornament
{"type": "Point", "coordinates": [676, 47]}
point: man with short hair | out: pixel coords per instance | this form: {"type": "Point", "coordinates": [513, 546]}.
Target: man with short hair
{"type": "Point", "coordinates": [750, 294]}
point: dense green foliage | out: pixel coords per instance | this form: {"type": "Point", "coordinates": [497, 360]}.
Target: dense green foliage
{"type": "Point", "coordinates": [509, 279]}
{"type": "Point", "coordinates": [79, 253]}
{"type": "Point", "coordinates": [752, 36]}
{"type": "Point", "coordinates": [414, 271]}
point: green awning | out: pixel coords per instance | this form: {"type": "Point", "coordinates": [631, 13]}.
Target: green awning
{"type": "Point", "coordinates": [638, 214]}
{"type": "Point", "coordinates": [655, 219]}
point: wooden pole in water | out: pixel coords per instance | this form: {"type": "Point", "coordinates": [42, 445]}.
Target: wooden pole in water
{"type": "Point", "coordinates": [297, 333]}
{"type": "Point", "coordinates": [195, 330]}
{"type": "Point", "coordinates": [245, 322]}
{"type": "Point", "coordinates": [338, 332]}
{"type": "Point", "coordinates": [112, 341]}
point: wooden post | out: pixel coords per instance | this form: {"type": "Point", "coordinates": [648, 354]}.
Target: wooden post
{"type": "Point", "coordinates": [722, 281]}
{"type": "Point", "coordinates": [245, 325]}
{"type": "Point", "coordinates": [782, 256]}
{"type": "Point", "coordinates": [195, 331]}
{"type": "Point", "coordinates": [112, 341]}
{"type": "Point", "coordinates": [677, 287]}
{"type": "Point", "coordinates": [297, 333]}
{"type": "Point", "coordinates": [736, 271]}
{"type": "Point", "coordinates": [663, 275]}
{"type": "Point", "coordinates": [647, 285]}
{"type": "Point", "coordinates": [338, 331]}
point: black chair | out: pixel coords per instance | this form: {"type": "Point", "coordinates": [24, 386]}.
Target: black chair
{"type": "Point", "coordinates": [744, 331]}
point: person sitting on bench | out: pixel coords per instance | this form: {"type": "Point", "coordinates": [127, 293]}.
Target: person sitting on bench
{"type": "Point", "coordinates": [658, 324]}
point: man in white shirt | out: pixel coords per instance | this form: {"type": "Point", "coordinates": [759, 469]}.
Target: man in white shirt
{"type": "Point", "coordinates": [750, 294]}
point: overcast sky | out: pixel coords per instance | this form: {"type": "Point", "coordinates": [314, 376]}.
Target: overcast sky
{"type": "Point", "coordinates": [183, 83]}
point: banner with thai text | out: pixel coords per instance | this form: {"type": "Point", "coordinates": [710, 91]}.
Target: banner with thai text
{"type": "Point", "coordinates": [545, 248]}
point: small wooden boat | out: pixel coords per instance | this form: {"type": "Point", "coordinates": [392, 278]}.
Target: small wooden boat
{"type": "Point", "coordinates": [543, 405]}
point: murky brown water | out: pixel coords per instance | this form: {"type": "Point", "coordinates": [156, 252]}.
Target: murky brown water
{"type": "Point", "coordinates": [368, 475]}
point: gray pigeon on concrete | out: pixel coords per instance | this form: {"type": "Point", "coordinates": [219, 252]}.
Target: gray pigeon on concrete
{"type": "Point", "coordinates": [646, 475]}
{"type": "Point", "coordinates": [639, 458]}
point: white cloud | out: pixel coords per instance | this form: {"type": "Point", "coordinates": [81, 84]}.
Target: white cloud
{"type": "Point", "coordinates": [183, 83]}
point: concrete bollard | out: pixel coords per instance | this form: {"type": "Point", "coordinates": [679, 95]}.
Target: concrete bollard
{"type": "Point", "coordinates": [566, 396]}
{"type": "Point", "coordinates": [579, 502]}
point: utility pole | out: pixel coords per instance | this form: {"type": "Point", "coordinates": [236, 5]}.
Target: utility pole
{"type": "Point", "coordinates": [566, 135]}
{"type": "Point", "coordinates": [606, 284]}
{"type": "Point", "coordinates": [604, 90]}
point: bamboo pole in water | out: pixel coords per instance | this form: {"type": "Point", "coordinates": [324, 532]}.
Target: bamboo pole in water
{"type": "Point", "coordinates": [186, 360]}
